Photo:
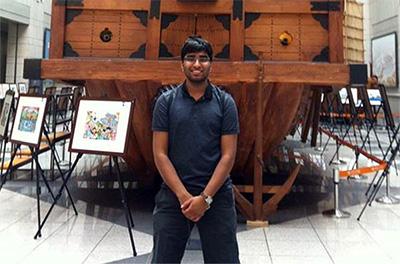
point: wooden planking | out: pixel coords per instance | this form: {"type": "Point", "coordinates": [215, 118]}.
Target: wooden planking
{"type": "Point", "coordinates": [217, 7]}
{"type": "Point", "coordinates": [169, 71]}
{"type": "Point", "coordinates": [185, 25]}
{"type": "Point", "coordinates": [83, 33]}
{"type": "Point", "coordinates": [309, 37]}
{"type": "Point", "coordinates": [208, 27]}
{"type": "Point", "coordinates": [177, 32]}
{"type": "Point", "coordinates": [57, 31]}
{"type": "Point", "coordinates": [274, 6]}
{"type": "Point", "coordinates": [113, 5]}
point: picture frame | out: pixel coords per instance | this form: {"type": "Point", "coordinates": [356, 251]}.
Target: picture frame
{"type": "Point", "coordinates": [374, 97]}
{"type": "Point", "coordinates": [3, 89]}
{"type": "Point", "coordinates": [29, 118]}
{"type": "Point", "coordinates": [101, 126]}
{"type": "Point", "coordinates": [344, 97]}
{"type": "Point", "coordinates": [14, 88]}
{"type": "Point", "coordinates": [22, 88]}
{"type": "Point", "coordinates": [8, 104]}
{"type": "Point", "coordinates": [384, 59]}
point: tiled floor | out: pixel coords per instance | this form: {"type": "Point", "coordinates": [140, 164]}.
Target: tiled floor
{"type": "Point", "coordinates": [298, 232]}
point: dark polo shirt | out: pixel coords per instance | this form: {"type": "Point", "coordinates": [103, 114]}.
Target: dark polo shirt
{"type": "Point", "coordinates": [194, 131]}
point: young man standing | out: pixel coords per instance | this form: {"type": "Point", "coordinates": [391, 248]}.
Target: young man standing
{"type": "Point", "coordinates": [195, 127]}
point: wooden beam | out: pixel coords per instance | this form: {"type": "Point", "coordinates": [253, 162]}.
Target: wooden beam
{"type": "Point", "coordinates": [287, 6]}
{"type": "Point", "coordinates": [272, 204]}
{"type": "Point", "coordinates": [170, 72]}
{"type": "Point", "coordinates": [244, 206]}
{"type": "Point", "coordinates": [153, 30]}
{"type": "Point", "coordinates": [258, 149]}
{"type": "Point", "coordinates": [237, 36]}
{"type": "Point", "coordinates": [336, 45]}
{"type": "Point", "coordinates": [113, 5]}
{"type": "Point", "coordinates": [265, 188]}
{"type": "Point", "coordinates": [57, 31]}
{"type": "Point", "coordinates": [217, 7]}
{"type": "Point", "coordinates": [316, 104]}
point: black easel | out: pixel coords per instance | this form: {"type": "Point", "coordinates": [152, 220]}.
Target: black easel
{"type": "Point", "coordinates": [124, 200]}
{"type": "Point", "coordinates": [393, 154]}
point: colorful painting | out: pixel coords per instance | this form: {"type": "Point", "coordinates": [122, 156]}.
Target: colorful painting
{"type": "Point", "coordinates": [101, 127]}
{"type": "Point", "coordinates": [28, 119]}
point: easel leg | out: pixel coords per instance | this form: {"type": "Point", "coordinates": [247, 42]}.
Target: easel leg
{"type": "Point", "coordinates": [3, 177]}
{"type": "Point", "coordinates": [58, 195]}
{"type": "Point", "coordinates": [38, 192]}
{"type": "Point", "coordinates": [128, 215]}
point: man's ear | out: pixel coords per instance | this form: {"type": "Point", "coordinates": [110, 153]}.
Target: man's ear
{"type": "Point", "coordinates": [182, 66]}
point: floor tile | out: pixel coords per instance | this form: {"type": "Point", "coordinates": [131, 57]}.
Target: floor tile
{"type": "Point", "coordinates": [291, 234]}
{"type": "Point", "coordinates": [301, 260]}
{"type": "Point", "coordinates": [296, 248]}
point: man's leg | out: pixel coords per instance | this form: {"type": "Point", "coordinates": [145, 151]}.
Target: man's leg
{"type": "Point", "coordinates": [171, 229]}
{"type": "Point", "coordinates": [217, 230]}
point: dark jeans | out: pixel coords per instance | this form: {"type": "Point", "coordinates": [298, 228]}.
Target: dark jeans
{"type": "Point", "coordinates": [172, 229]}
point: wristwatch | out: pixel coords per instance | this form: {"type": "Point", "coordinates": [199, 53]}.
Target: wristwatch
{"type": "Point", "coordinates": [208, 199]}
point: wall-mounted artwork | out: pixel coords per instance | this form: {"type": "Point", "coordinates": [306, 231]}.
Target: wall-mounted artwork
{"type": "Point", "coordinates": [101, 126]}
{"type": "Point", "coordinates": [384, 59]}
{"type": "Point", "coordinates": [28, 121]}
{"type": "Point", "coordinates": [5, 113]}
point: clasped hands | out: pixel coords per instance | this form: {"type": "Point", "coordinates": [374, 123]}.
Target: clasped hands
{"type": "Point", "coordinates": [194, 207]}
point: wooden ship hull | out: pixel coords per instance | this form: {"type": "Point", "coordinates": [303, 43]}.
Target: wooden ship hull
{"type": "Point", "coordinates": [267, 54]}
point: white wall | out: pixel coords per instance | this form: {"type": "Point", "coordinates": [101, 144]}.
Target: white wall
{"type": "Point", "coordinates": [30, 37]}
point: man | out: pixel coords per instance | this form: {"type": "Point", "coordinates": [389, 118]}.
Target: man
{"type": "Point", "coordinates": [373, 82]}
{"type": "Point", "coordinates": [195, 127]}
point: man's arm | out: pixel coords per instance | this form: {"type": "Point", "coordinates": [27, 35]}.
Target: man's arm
{"type": "Point", "coordinates": [165, 167]}
{"type": "Point", "coordinates": [195, 207]}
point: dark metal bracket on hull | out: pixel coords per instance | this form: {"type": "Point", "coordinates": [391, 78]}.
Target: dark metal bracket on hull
{"type": "Point", "coordinates": [69, 2]}
{"type": "Point", "coordinates": [325, 6]}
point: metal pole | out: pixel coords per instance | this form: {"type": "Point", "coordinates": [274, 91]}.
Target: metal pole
{"type": "Point", "coordinates": [336, 212]}
{"type": "Point", "coordinates": [387, 198]}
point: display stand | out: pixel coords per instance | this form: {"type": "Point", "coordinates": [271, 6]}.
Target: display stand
{"type": "Point", "coordinates": [102, 127]}
{"type": "Point", "coordinates": [391, 153]}
{"type": "Point", "coordinates": [6, 112]}
{"type": "Point", "coordinates": [27, 129]}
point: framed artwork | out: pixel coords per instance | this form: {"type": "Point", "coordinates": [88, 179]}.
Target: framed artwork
{"type": "Point", "coordinates": [344, 98]}
{"type": "Point", "coordinates": [374, 96]}
{"type": "Point", "coordinates": [28, 122]}
{"type": "Point", "coordinates": [14, 88]}
{"type": "Point", "coordinates": [384, 59]}
{"type": "Point", "coordinates": [22, 88]}
{"type": "Point", "coordinates": [5, 113]}
{"type": "Point", "coordinates": [3, 89]}
{"type": "Point", "coordinates": [101, 126]}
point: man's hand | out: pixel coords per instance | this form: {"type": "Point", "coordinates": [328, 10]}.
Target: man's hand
{"type": "Point", "coordinates": [194, 208]}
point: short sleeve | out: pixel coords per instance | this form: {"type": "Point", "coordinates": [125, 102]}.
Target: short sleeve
{"type": "Point", "coordinates": [160, 114]}
{"type": "Point", "coordinates": [230, 121]}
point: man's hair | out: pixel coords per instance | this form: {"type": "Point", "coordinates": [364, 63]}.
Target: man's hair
{"type": "Point", "coordinates": [196, 44]}
{"type": "Point", "coordinates": [375, 76]}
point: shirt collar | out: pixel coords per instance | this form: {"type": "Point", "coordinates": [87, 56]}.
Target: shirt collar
{"type": "Point", "coordinates": [207, 94]}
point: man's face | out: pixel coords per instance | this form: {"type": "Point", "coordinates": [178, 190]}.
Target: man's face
{"type": "Point", "coordinates": [196, 66]}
